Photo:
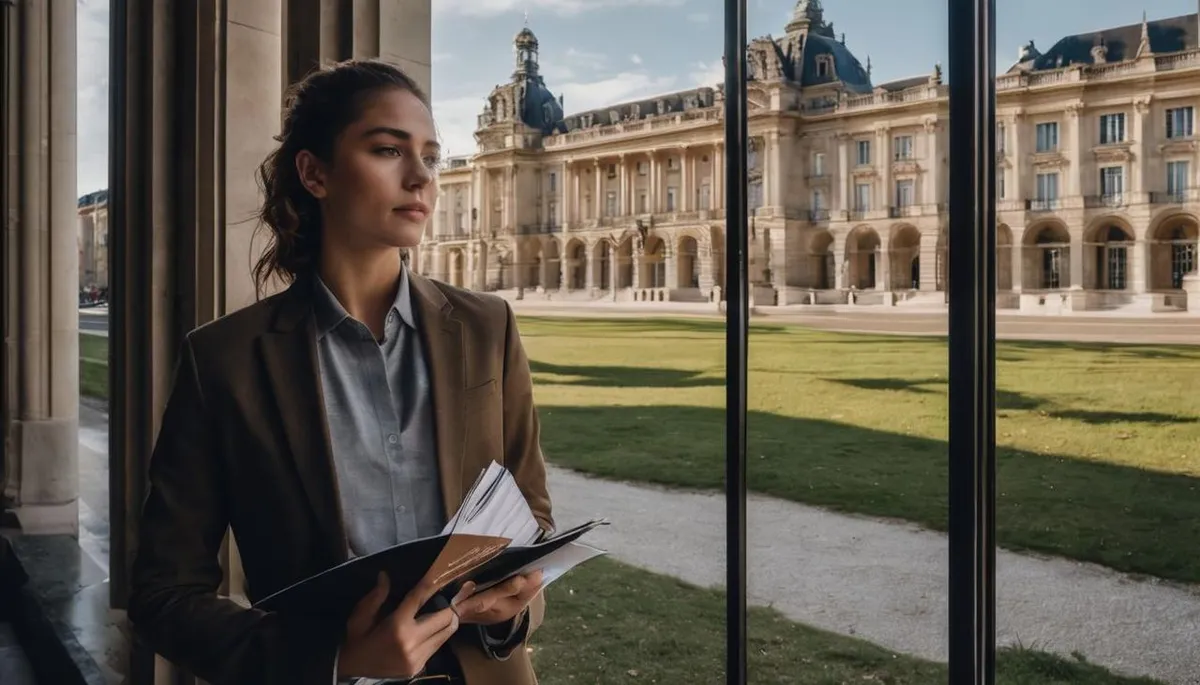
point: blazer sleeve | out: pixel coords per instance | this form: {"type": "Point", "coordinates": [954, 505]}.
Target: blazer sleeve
{"type": "Point", "coordinates": [173, 606]}
{"type": "Point", "coordinates": [523, 452]}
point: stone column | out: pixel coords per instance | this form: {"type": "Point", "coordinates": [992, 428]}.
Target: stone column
{"type": "Point", "coordinates": [652, 184]}
{"type": "Point", "coordinates": [684, 202]}
{"type": "Point", "coordinates": [508, 191]}
{"type": "Point", "coordinates": [636, 256]}
{"type": "Point", "coordinates": [613, 270]}
{"type": "Point", "coordinates": [623, 174]}
{"type": "Point", "coordinates": [932, 164]}
{"type": "Point", "coordinates": [883, 160]}
{"type": "Point", "coordinates": [576, 194]}
{"type": "Point", "coordinates": [597, 203]}
{"type": "Point", "coordinates": [1016, 141]}
{"type": "Point", "coordinates": [1018, 260]}
{"type": "Point", "coordinates": [774, 172]}
{"type": "Point", "coordinates": [1137, 254]}
{"type": "Point", "coordinates": [718, 177]}
{"type": "Point", "coordinates": [1140, 184]}
{"type": "Point", "coordinates": [842, 188]}
{"type": "Point", "coordinates": [564, 191]}
{"type": "Point", "coordinates": [1075, 185]}
{"type": "Point", "coordinates": [41, 269]}
{"type": "Point", "coordinates": [589, 270]}
{"type": "Point", "coordinates": [693, 190]}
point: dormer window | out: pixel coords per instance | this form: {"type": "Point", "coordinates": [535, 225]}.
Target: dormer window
{"type": "Point", "coordinates": [824, 66]}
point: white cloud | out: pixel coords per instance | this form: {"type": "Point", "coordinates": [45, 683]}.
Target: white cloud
{"type": "Point", "coordinates": [488, 8]}
{"type": "Point", "coordinates": [707, 74]}
{"type": "Point", "coordinates": [456, 119]}
{"type": "Point", "coordinates": [572, 65]}
{"type": "Point", "coordinates": [92, 95]}
{"type": "Point", "coordinates": [623, 87]}
{"type": "Point", "coordinates": [635, 58]}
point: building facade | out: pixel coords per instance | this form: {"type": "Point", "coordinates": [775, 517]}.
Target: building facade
{"type": "Point", "coordinates": [93, 240]}
{"type": "Point", "coordinates": [1097, 201]}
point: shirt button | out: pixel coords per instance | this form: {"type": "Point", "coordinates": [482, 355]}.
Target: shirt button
{"type": "Point", "coordinates": [393, 439]}
{"type": "Point", "coordinates": [391, 317]}
{"type": "Point", "coordinates": [401, 509]}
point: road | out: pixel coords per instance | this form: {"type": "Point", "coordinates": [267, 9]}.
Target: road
{"type": "Point", "coordinates": [94, 320]}
{"type": "Point", "coordinates": [1175, 329]}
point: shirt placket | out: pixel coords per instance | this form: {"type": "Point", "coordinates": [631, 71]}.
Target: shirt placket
{"type": "Point", "coordinates": [391, 354]}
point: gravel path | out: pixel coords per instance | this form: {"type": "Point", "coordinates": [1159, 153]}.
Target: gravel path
{"type": "Point", "coordinates": [885, 582]}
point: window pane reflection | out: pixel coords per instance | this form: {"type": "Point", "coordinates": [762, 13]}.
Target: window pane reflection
{"type": "Point", "coordinates": [590, 181]}
{"type": "Point", "coordinates": [1098, 420]}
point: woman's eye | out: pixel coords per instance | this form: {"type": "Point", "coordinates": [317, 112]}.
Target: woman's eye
{"type": "Point", "coordinates": [389, 151]}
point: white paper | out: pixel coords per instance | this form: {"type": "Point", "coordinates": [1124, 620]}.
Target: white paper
{"type": "Point", "coordinates": [555, 564]}
{"type": "Point", "coordinates": [495, 506]}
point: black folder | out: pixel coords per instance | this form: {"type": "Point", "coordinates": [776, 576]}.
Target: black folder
{"type": "Point", "coordinates": [449, 560]}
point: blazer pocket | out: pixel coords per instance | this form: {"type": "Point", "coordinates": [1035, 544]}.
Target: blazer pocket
{"type": "Point", "coordinates": [478, 397]}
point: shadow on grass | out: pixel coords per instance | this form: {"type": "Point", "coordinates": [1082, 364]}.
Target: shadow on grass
{"type": "Point", "coordinates": [622, 376]}
{"type": "Point", "coordinates": [1098, 418]}
{"type": "Point", "coordinates": [1125, 518]}
{"type": "Point", "coordinates": [1005, 399]}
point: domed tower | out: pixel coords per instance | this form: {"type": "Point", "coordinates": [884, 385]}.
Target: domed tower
{"type": "Point", "coordinates": [525, 46]}
{"type": "Point", "coordinates": [524, 100]}
{"type": "Point", "coordinates": [808, 16]}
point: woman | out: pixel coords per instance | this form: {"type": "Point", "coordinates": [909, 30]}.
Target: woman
{"type": "Point", "coordinates": [342, 416]}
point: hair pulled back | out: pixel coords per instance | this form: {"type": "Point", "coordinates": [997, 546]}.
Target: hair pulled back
{"type": "Point", "coordinates": [318, 108]}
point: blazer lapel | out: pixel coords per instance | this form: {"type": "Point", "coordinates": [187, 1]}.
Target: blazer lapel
{"type": "Point", "coordinates": [442, 338]}
{"type": "Point", "coordinates": [289, 354]}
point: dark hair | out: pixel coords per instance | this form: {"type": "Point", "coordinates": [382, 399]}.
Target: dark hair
{"type": "Point", "coordinates": [318, 108]}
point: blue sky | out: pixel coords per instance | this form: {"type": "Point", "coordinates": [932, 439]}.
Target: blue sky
{"type": "Point", "coordinates": [597, 52]}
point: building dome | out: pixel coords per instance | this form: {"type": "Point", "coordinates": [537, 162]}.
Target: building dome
{"type": "Point", "coordinates": [526, 39]}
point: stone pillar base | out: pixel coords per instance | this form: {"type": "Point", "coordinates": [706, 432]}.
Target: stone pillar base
{"type": "Point", "coordinates": [44, 466]}
{"type": "Point", "coordinates": [1191, 286]}
{"type": "Point", "coordinates": [49, 519]}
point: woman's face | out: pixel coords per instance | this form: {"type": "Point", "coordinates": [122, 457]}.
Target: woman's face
{"type": "Point", "coordinates": [380, 188]}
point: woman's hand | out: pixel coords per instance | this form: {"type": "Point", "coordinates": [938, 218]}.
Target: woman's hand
{"type": "Point", "coordinates": [500, 603]}
{"type": "Point", "coordinates": [399, 645]}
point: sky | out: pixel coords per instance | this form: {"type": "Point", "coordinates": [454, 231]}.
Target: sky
{"type": "Point", "coordinates": [598, 52]}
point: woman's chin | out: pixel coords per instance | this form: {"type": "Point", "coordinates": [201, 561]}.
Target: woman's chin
{"type": "Point", "coordinates": [405, 234]}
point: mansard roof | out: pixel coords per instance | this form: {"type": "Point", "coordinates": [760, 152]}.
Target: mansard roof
{"type": "Point", "coordinates": [1121, 43]}
{"type": "Point", "coordinates": [679, 101]}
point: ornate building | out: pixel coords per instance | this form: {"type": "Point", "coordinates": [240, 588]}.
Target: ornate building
{"type": "Point", "coordinates": [1098, 207]}
{"type": "Point", "coordinates": [93, 240]}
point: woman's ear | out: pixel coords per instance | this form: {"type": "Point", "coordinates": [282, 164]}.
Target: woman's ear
{"type": "Point", "coordinates": [311, 173]}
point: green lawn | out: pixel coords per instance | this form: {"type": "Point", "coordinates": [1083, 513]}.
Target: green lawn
{"type": "Point", "coordinates": [93, 366]}
{"type": "Point", "coordinates": [609, 623]}
{"type": "Point", "coordinates": [850, 422]}
{"type": "Point", "coordinates": [1099, 453]}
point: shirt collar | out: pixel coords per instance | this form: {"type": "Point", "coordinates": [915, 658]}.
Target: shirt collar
{"type": "Point", "coordinates": [330, 313]}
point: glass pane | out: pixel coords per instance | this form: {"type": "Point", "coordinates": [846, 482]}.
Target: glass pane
{"type": "Point", "coordinates": [1097, 415]}
{"type": "Point", "coordinates": [848, 410]}
{"type": "Point", "coordinates": [618, 289]}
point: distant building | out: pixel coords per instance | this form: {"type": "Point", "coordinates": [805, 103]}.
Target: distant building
{"type": "Point", "coordinates": [1097, 200]}
{"type": "Point", "coordinates": [93, 240]}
